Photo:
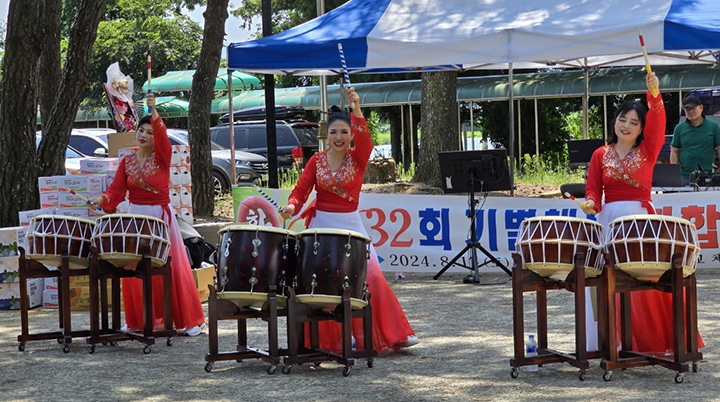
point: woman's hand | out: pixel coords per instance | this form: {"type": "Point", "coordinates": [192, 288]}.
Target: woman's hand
{"type": "Point", "coordinates": [354, 101]}
{"type": "Point", "coordinates": [588, 206]}
{"type": "Point", "coordinates": [652, 82]}
{"type": "Point", "coordinates": [287, 212]}
{"type": "Point", "coordinates": [150, 102]}
{"type": "Point", "coordinates": [96, 202]}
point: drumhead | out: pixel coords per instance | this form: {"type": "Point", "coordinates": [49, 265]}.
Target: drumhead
{"type": "Point", "coordinates": [62, 217]}
{"type": "Point", "coordinates": [127, 216]}
{"type": "Point", "coordinates": [252, 228]}
{"type": "Point", "coordinates": [647, 217]}
{"type": "Point", "coordinates": [333, 232]}
{"type": "Point", "coordinates": [561, 219]}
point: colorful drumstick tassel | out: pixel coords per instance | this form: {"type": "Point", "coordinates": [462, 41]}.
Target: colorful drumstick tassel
{"type": "Point", "coordinates": [572, 197]}
{"type": "Point", "coordinates": [149, 109]}
{"type": "Point", "coordinates": [653, 90]}
{"type": "Point", "coordinates": [85, 199]}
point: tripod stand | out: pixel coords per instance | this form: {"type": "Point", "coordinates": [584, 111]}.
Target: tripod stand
{"type": "Point", "coordinates": [473, 243]}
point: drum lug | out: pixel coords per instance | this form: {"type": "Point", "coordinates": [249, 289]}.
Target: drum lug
{"type": "Point", "coordinates": [223, 278]}
{"type": "Point", "coordinates": [316, 247]}
{"type": "Point", "coordinates": [253, 279]}
{"type": "Point", "coordinates": [313, 284]}
{"type": "Point", "coordinates": [294, 284]}
{"type": "Point", "coordinates": [346, 283]}
{"type": "Point", "coordinates": [348, 247]}
{"type": "Point", "coordinates": [367, 252]}
{"type": "Point", "coordinates": [282, 283]}
{"type": "Point", "coordinates": [256, 243]}
{"type": "Point", "coordinates": [227, 247]}
{"type": "Point", "coordinates": [365, 291]}
{"type": "Point", "coordinates": [285, 249]}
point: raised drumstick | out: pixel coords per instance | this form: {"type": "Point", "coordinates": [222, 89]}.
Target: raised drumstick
{"type": "Point", "coordinates": [572, 197]}
{"type": "Point", "coordinates": [653, 90]}
{"type": "Point", "coordinates": [85, 199]}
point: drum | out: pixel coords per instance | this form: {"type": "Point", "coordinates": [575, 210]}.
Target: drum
{"type": "Point", "coordinates": [643, 245]}
{"type": "Point", "coordinates": [120, 239]}
{"type": "Point", "coordinates": [47, 234]}
{"type": "Point", "coordinates": [548, 245]}
{"type": "Point", "coordinates": [330, 259]}
{"type": "Point", "coordinates": [250, 259]}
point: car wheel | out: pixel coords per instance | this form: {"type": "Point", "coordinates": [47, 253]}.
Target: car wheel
{"type": "Point", "coordinates": [219, 184]}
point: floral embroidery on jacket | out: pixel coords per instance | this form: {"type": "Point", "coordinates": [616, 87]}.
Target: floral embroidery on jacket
{"type": "Point", "coordinates": [338, 182]}
{"type": "Point", "coordinates": [623, 170]}
{"type": "Point", "coordinates": [138, 173]}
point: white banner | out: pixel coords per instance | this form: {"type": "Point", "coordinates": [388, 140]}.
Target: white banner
{"type": "Point", "coordinates": [422, 233]}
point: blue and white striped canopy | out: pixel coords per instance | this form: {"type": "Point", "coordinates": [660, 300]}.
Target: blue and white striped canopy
{"type": "Point", "coordinates": [393, 35]}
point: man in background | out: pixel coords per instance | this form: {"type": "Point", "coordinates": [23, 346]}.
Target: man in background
{"type": "Point", "coordinates": [694, 140]}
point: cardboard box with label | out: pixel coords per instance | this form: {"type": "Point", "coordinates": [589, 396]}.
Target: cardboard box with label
{"type": "Point", "coordinates": [10, 294]}
{"type": "Point", "coordinates": [203, 277]}
{"type": "Point", "coordinates": [120, 140]}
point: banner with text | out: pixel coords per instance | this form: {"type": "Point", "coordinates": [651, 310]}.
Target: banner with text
{"type": "Point", "coordinates": [422, 233]}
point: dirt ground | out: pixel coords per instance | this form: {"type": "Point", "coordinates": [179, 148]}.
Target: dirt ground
{"type": "Point", "coordinates": [465, 346]}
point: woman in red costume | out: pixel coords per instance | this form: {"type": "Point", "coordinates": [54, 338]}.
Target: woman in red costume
{"type": "Point", "coordinates": [145, 174]}
{"type": "Point", "coordinates": [622, 170]}
{"type": "Point", "coordinates": [337, 175]}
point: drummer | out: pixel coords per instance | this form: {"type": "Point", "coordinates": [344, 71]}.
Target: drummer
{"type": "Point", "coordinates": [145, 175]}
{"type": "Point", "coordinates": [622, 170]}
{"type": "Point", "coordinates": [337, 175]}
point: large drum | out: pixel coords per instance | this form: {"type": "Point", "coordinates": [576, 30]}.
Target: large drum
{"type": "Point", "coordinates": [250, 259]}
{"type": "Point", "coordinates": [548, 245]}
{"type": "Point", "coordinates": [120, 239]}
{"type": "Point", "coordinates": [47, 234]}
{"type": "Point", "coordinates": [643, 245]}
{"type": "Point", "coordinates": [330, 259]}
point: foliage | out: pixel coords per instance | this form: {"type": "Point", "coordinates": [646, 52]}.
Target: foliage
{"type": "Point", "coordinates": [288, 178]}
{"type": "Point", "coordinates": [135, 28]}
{"type": "Point", "coordinates": [544, 170]}
{"type": "Point", "coordinates": [574, 123]}
{"type": "Point", "coordinates": [285, 13]}
{"type": "Point", "coordinates": [406, 173]}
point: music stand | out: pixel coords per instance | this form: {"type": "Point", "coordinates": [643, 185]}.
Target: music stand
{"type": "Point", "coordinates": [461, 172]}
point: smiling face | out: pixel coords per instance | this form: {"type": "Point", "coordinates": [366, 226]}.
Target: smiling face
{"type": "Point", "coordinates": [628, 127]}
{"type": "Point", "coordinates": [144, 138]}
{"type": "Point", "coordinates": [340, 136]}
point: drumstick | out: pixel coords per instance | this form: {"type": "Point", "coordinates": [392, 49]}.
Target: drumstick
{"type": "Point", "coordinates": [149, 109]}
{"type": "Point", "coordinates": [344, 65]}
{"type": "Point", "coordinates": [85, 199]}
{"type": "Point", "coordinates": [572, 197]}
{"type": "Point", "coordinates": [653, 90]}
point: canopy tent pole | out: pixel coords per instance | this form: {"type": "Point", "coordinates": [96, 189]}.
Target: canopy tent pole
{"type": "Point", "coordinates": [273, 181]}
{"type": "Point", "coordinates": [511, 129]}
{"type": "Point", "coordinates": [586, 100]}
{"type": "Point", "coordinates": [605, 110]}
{"type": "Point", "coordinates": [472, 125]}
{"type": "Point", "coordinates": [402, 134]}
{"type": "Point", "coordinates": [413, 143]}
{"type": "Point", "coordinates": [460, 137]}
{"type": "Point", "coordinates": [322, 131]}
{"type": "Point", "coordinates": [233, 174]}
{"type": "Point", "coordinates": [537, 131]}
{"type": "Point", "coordinates": [519, 123]}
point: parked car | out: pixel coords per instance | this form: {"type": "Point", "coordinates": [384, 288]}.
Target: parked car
{"type": "Point", "coordinates": [248, 167]}
{"type": "Point", "coordinates": [72, 157]}
{"type": "Point", "coordinates": [296, 140]}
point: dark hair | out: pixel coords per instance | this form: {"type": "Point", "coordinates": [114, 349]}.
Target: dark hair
{"type": "Point", "coordinates": [641, 111]}
{"type": "Point", "coordinates": [145, 119]}
{"type": "Point", "coordinates": [337, 114]}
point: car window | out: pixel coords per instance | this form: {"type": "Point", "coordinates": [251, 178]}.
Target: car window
{"type": "Point", "coordinates": [85, 145]}
{"type": "Point", "coordinates": [69, 152]}
{"type": "Point", "coordinates": [257, 137]}
{"type": "Point", "coordinates": [306, 133]}
{"type": "Point", "coordinates": [286, 137]}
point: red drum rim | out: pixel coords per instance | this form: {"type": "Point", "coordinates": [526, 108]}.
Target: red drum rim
{"type": "Point", "coordinates": [59, 217]}
{"type": "Point", "coordinates": [333, 232]}
{"type": "Point", "coordinates": [255, 228]}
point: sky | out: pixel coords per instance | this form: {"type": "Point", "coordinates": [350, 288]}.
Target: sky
{"type": "Point", "coordinates": [232, 25]}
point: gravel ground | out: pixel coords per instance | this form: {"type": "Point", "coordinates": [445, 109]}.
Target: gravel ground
{"type": "Point", "coordinates": [466, 343]}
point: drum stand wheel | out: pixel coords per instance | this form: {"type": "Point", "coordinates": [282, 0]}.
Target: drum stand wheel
{"type": "Point", "coordinates": [581, 375]}
{"type": "Point", "coordinates": [346, 371]}
{"type": "Point", "coordinates": [514, 372]}
{"type": "Point", "coordinates": [91, 349]}
{"type": "Point", "coordinates": [271, 369]}
{"type": "Point", "coordinates": [21, 346]}
{"type": "Point", "coordinates": [169, 341]}
{"type": "Point", "coordinates": [209, 366]}
{"type": "Point", "coordinates": [66, 348]}
{"type": "Point", "coordinates": [147, 349]}
{"type": "Point", "coordinates": [370, 362]}
{"type": "Point", "coordinates": [286, 369]}
{"type": "Point", "coordinates": [679, 377]}
{"type": "Point", "coordinates": [607, 376]}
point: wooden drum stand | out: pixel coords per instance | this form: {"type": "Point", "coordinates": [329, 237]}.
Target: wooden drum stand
{"type": "Point", "coordinates": [524, 280]}
{"type": "Point", "coordinates": [100, 269]}
{"type": "Point", "coordinates": [685, 332]}
{"type": "Point", "coordinates": [32, 269]}
{"type": "Point", "coordinates": [299, 314]}
{"type": "Point", "coordinates": [220, 309]}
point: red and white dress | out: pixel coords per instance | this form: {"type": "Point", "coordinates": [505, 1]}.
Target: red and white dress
{"type": "Point", "coordinates": [626, 183]}
{"type": "Point", "coordinates": [336, 205]}
{"type": "Point", "coordinates": [148, 189]}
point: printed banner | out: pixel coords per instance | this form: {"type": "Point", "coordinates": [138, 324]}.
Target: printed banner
{"type": "Point", "coordinates": [422, 233]}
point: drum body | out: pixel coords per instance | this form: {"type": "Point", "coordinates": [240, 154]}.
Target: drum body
{"type": "Point", "coordinates": [548, 245]}
{"type": "Point", "coordinates": [47, 234]}
{"type": "Point", "coordinates": [120, 239]}
{"type": "Point", "coordinates": [250, 259]}
{"type": "Point", "coordinates": [326, 258]}
{"type": "Point", "coordinates": [643, 245]}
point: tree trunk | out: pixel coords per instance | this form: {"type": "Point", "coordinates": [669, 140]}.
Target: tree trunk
{"type": "Point", "coordinates": [75, 76]}
{"type": "Point", "coordinates": [439, 122]}
{"type": "Point", "coordinates": [395, 133]}
{"type": "Point", "coordinates": [200, 100]}
{"type": "Point", "coordinates": [50, 58]}
{"type": "Point", "coordinates": [18, 188]}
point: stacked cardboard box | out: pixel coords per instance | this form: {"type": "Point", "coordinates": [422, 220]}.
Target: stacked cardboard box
{"type": "Point", "coordinates": [181, 183]}
{"type": "Point", "coordinates": [204, 276]}
{"type": "Point", "coordinates": [11, 239]}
